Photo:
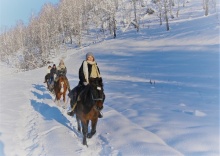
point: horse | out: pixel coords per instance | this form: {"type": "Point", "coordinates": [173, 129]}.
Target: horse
{"type": "Point", "coordinates": [89, 104]}
{"type": "Point", "coordinates": [47, 80]}
{"type": "Point", "coordinates": [60, 88]}
{"type": "Point", "coordinates": [50, 82]}
{"type": "Point", "coordinates": [50, 85]}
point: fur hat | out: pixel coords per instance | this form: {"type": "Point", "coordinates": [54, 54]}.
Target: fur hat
{"type": "Point", "coordinates": [90, 54]}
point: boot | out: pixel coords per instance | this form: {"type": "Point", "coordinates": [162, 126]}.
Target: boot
{"type": "Point", "coordinates": [45, 80]}
{"type": "Point", "coordinates": [72, 112]}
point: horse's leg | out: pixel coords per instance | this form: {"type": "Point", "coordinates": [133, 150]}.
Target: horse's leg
{"type": "Point", "coordinates": [55, 99]}
{"type": "Point", "coordinates": [78, 123]}
{"type": "Point", "coordinates": [93, 131]}
{"type": "Point", "coordinates": [58, 99]}
{"type": "Point", "coordinates": [47, 84]}
{"type": "Point", "coordinates": [66, 102]}
{"type": "Point", "coordinates": [64, 97]}
{"type": "Point", "coordinates": [85, 131]}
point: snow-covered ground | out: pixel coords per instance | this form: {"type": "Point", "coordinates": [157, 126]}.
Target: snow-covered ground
{"type": "Point", "coordinates": [178, 114]}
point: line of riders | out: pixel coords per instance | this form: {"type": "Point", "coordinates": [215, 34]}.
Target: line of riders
{"type": "Point", "coordinates": [88, 69]}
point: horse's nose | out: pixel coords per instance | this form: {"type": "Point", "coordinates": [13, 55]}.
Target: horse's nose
{"type": "Point", "coordinates": [100, 108]}
{"type": "Point", "coordinates": [99, 105]}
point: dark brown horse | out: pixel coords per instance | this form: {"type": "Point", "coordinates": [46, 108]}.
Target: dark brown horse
{"type": "Point", "coordinates": [60, 88]}
{"type": "Point", "coordinates": [50, 84]}
{"type": "Point", "coordinates": [89, 104]}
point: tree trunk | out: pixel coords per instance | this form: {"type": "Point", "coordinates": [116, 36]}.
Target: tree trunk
{"type": "Point", "coordinates": [114, 26]}
{"type": "Point", "coordinates": [135, 15]}
{"type": "Point", "coordinates": [166, 16]}
{"type": "Point", "coordinates": [178, 8]}
{"type": "Point", "coordinates": [206, 7]}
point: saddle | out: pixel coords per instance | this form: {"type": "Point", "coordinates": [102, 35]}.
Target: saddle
{"type": "Point", "coordinates": [78, 90]}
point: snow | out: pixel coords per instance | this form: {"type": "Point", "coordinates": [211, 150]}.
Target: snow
{"type": "Point", "coordinates": [178, 114]}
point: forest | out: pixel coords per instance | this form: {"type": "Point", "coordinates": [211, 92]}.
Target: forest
{"type": "Point", "coordinates": [77, 23]}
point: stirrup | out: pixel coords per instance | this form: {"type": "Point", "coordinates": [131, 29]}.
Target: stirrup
{"type": "Point", "coordinates": [71, 113]}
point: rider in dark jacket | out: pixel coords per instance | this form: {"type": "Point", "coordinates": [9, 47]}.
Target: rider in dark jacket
{"type": "Point", "coordinates": [88, 69]}
{"type": "Point", "coordinates": [47, 76]}
{"type": "Point", "coordinates": [53, 71]}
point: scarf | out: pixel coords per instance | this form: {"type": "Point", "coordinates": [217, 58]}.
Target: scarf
{"type": "Point", "coordinates": [94, 73]}
{"type": "Point", "coordinates": [61, 66]}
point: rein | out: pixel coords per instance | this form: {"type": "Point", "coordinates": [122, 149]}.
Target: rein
{"type": "Point", "coordinates": [96, 108]}
{"type": "Point", "coordinates": [97, 99]}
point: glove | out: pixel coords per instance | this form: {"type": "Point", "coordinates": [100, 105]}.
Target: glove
{"type": "Point", "coordinates": [85, 83]}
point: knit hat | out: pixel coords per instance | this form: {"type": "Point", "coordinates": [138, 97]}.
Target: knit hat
{"type": "Point", "coordinates": [61, 62]}
{"type": "Point", "coordinates": [90, 54]}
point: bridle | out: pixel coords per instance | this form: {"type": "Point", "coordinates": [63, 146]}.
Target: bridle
{"type": "Point", "coordinates": [97, 99]}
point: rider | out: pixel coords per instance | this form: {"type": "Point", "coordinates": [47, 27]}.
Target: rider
{"type": "Point", "coordinates": [61, 71]}
{"type": "Point", "coordinates": [47, 76]}
{"type": "Point", "coordinates": [88, 69]}
{"type": "Point", "coordinates": [53, 71]}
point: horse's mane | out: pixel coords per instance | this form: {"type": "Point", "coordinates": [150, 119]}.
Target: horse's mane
{"type": "Point", "coordinates": [86, 98]}
{"type": "Point", "coordinates": [86, 95]}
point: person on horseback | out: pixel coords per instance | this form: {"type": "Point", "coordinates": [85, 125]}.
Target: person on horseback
{"type": "Point", "coordinates": [88, 69]}
{"type": "Point", "coordinates": [47, 77]}
{"type": "Point", "coordinates": [61, 71]}
{"type": "Point", "coordinates": [53, 71]}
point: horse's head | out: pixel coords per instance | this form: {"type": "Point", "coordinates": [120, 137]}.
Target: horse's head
{"type": "Point", "coordinates": [61, 79]}
{"type": "Point", "coordinates": [62, 84]}
{"type": "Point", "coordinates": [97, 91]}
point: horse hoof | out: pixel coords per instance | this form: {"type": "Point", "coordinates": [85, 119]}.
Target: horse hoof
{"type": "Point", "coordinates": [85, 143]}
{"type": "Point", "coordinates": [89, 135]}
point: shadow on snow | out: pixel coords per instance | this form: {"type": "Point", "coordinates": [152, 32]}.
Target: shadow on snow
{"type": "Point", "coordinates": [48, 112]}
{"type": "Point", "coordinates": [42, 89]}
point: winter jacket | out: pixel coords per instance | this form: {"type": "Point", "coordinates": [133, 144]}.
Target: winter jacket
{"type": "Point", "coordinates": [61, 70]}
{"type": "Point", "coordinates": [82, 77]}
{"type": "Point", "coordinates": [53, 71]}
{"type": "Point", "coordinates": [48, 70]}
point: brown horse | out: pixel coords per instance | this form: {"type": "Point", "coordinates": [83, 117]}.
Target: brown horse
{"type": "Point", "coordinates": [60, 88]}
{"type": "Point", "coordinates": [89, 104]}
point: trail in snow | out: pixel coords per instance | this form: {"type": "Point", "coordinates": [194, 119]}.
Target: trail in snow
{"type": "Point", "coordinates": [102, 143]}
{"type": "Point", "coordinates": [178, 115]}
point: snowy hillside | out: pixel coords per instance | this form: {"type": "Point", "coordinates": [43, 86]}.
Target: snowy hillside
{"type": "Point", "coordinates": [176, 114]}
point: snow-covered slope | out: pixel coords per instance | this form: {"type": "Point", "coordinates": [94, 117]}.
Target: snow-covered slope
{"type": "Point", "coordinates": [178, 114]}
